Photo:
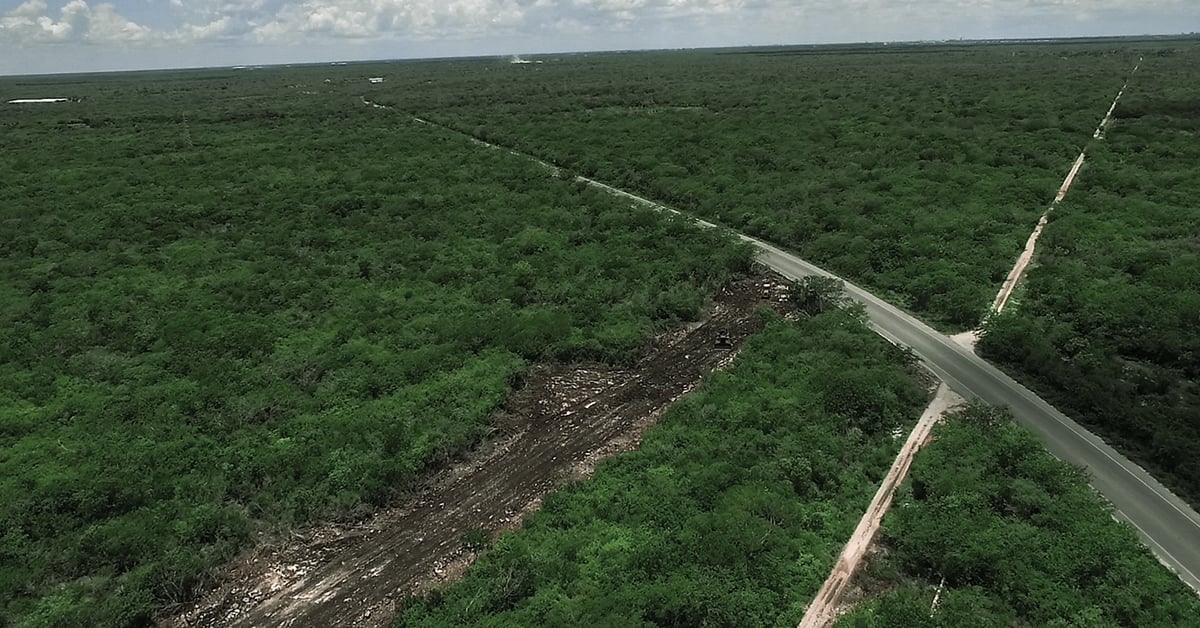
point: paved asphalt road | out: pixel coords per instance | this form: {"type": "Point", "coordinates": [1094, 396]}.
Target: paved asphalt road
{"type": "Point", "coordinates": [1168, 525]}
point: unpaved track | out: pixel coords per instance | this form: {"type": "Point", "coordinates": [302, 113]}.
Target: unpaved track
{"type": "Point", "coordinates": [1168, 525]}
{"type": "Point", "coordinates": [1026, 257]}
{"type": "Point", "coordinates": [823, 610]}
{"type": "Point", "coordinates": [554, 430]}
{"type": "Point", "coordinates": [1099, 134]}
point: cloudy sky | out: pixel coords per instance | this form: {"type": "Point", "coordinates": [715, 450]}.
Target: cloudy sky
{"type": "Point", "coordinates": [39, 36]}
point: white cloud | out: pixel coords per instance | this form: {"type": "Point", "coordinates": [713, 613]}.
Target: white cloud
{"type": "Point", "coordinates": [410, 19]}
{"type": "Point", "coordinates": [106, 26]}
{"type": "Point", "coordinates": [32, 9]}
{"type": "Point", "coordinates": [526, 22]}
{"type": "Point", "coordinates": [77, 21]}
{"type": "Point", "coordinates": [204, 32]}
{"type": "Point", "coordinates": [102, 23]}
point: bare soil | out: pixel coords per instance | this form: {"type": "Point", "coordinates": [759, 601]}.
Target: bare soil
{"type": "Point", "coordinates": [828, 602]}
{"type": "Point", "coordinates": [967, 339]}
{"type": "Point", "coordinates": [1023, 260]}
{"type": "Point", "coordinates": [554, 430]}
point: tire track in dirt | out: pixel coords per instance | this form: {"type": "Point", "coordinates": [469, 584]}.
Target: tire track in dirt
{"type": "Point", "coordinates": [1162, 519]}
{"type": "Point", "coordinates": [554, 430]}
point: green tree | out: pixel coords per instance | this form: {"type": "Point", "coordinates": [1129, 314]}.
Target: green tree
{"type": "Point", "coordinates": [818, 294]}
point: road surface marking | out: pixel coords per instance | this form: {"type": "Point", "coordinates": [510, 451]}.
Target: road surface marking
{"type": "Point", "coordinates": [806, 268]}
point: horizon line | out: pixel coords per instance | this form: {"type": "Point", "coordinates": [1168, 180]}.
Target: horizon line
{"type": "Point", "coordinates": [912, 42]}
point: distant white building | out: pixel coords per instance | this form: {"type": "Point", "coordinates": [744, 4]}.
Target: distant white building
{"type": "Point", "coordinates": [376, 79]}
{"type": "Point", "coordinates": [27, 101]}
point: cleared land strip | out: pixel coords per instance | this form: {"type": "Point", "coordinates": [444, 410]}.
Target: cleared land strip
{"type": "Point", "coordinates": [1168, 525]}
{"type": "Point", "coordinates": [1018, 270]}
{"type": "Point", "coordinates": [1108, 116]}
{"type": "Point", "coordinates": [824, 607]}
{"type": "Point", "coordinates": [554, 430]}
{"type": "Point", "coordinates": [1026, 256]}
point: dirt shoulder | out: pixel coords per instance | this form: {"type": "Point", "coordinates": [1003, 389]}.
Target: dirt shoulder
{"type": "Point", "coordinates": [554, 430]}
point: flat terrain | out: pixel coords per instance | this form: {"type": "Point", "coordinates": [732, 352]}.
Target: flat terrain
{"type": "Point", "coordinates": [730, 513]}
{"type": "Point", "coordinates": [1105, 327]}
{"type": "Point", "coordinates": [917, 174]}
{"type": "Point", "coordinates": [992, 531]}
{"type": "Point", "coordinates": [828, 599]}
{"type": "Point", "coordinates": [556, 428]}
{"type": "Point", "coordinates": [229, 308]}
{"type": "Point", "coordinates": [244, 315]}
{"type": "Point", "coordinates": [1167, 523]}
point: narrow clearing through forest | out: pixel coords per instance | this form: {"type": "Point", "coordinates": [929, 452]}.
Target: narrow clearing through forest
{"type": "Point", "coordinates": [1162, 519]}
{"type": "Point", "coordinates": [1026, 257]}
{"type": "Point", "coordinates": [826, 606]}
{"type": "Point", "coordinates": [552, 431]}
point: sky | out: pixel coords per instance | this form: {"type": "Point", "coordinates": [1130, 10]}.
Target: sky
{"type": "Point", "coordinates": [51, 36]}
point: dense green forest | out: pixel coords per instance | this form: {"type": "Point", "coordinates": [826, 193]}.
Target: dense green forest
{"type": "Point", "coordinates": [732, 511]}
{"type": "Point", "coordinates": [1019, 538]}
{"type": "Point", "coordinates": [917, 174]}
{"type": "Point", "coordinates": [232, 302]}
{"type": "Point", "coordinates": [228, 307]}
{"type": "Point", "coordinates": [738, 502]}
{"type": "Point", "coordinates": [1106, 326]}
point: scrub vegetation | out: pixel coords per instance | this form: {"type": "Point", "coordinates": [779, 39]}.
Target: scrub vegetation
{"type": "Point", "coordinates": [917, 172]}
{"type": "Point", "coordinates": [233, 302]}
{"type": "Point", "coordinates": [730, 514]}
{"type": "Point", "coordinates": [1106, 326]}
{"type": "Point", "coordinates": [738, 503]}
{"type": "Point", "coordinates": [268, 308]}
{"type": "Point", "coordinates": [1012, 537]}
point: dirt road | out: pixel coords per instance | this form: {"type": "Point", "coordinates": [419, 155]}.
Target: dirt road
{"type": "Point", "coordinates": [1026, 256]}
{"type": "Point", "coordinates": [1099, 134]}
{"type": "Point", "coordinates": [824, 608]}
{"type": "Point", "coordinates": [553, 430]}
{"type": "Point", "coordinates": [1165, 522]}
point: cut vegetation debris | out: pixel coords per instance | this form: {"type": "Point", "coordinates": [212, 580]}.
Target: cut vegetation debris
{"type": "Point", "coordinates": [228, 314]}
{"type": "Point", "coordinates": [556, 428]}
{"type": "Point", "coordinates": [201, 350]}
{"type": "Point", "coordinates": [730, 514]}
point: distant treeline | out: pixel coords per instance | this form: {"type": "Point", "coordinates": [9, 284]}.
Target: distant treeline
{"type": "Point", "coordinates": [229, 308]}
{"type": "Point", "coordinates": [1107, 324]}
{"type": "Point", "coordinates": [952, 45]}
{"type": "Point", "coordinates": [918, 175]}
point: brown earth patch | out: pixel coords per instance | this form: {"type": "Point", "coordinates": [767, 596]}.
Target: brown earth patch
{"type": "Point", "coordinates": [554, 430]}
